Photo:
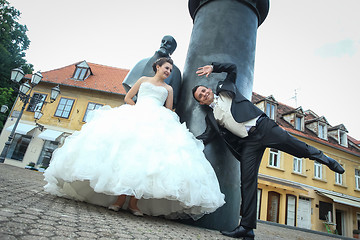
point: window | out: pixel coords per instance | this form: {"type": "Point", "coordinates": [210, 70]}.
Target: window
{"type": "Point", "coordinates": [357, 178]}
{"type": "Point", "coordinates": [358, 220]}
{"type": "Point", "coordinates": [338, 179]}
{"type": "Point", "coordinates": [297, 165]}
{"type": "Point", "coordinates": [36, 102]}
{"type": "Point", "coordinates": [46, 153]}
{"type": "Point", "coordinates": [91, 107]}
{"type": "Point", "coordinates": [317, 170]}
{"type": "Point", "coordinates": [18, 147]}
{"type": "Point", "coordinates": [274, 160]}
{"type": "Point", "coordinates": [64, 108]}
{"type": "Point", "coordinates": [270, 110]}
{"type": "Point", "coordinates": [322, 131]}
{"type": "Point", "coordinates": [343, 138]}
{"type": "Point", "coordinates": [325, 211]}
{"type": "Point", "coordinates": [298, 123]}
{"type": "Point", "coordinates": [258, 207]}
{"type": "Point", "coordinates": [80, 73]}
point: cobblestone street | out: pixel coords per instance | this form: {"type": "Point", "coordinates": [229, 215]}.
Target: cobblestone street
{"type": "Point", "coordinates": [27, 212]}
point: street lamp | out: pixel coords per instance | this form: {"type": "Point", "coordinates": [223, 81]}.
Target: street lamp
{"type": "Point", "coordinates": [4, 108]}
{"type": "Point", "coordinates": [17, 75]}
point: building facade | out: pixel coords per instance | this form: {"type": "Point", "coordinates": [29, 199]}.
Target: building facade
{"type": "Point", "coordinates": [304, 193]}
{"type": "Point", "coordinates": [84, 87]}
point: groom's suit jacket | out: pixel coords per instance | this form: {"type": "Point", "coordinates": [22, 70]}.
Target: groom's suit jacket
{"type": "Point", "coordinates": [242, 109]}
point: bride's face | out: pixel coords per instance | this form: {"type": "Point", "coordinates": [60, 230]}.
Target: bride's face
{"type": "Point", "coordinates": [164, 70]}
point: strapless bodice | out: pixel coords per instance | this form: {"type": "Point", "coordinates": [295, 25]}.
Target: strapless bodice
{"type": "Point", "coordinates": [151, 94]}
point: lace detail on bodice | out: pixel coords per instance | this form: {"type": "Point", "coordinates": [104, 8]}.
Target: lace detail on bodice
{"type": "Point", "coordinates": [150, 93]}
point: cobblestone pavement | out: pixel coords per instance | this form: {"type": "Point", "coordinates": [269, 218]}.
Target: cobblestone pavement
{"type": "Point", "coordinates": [27, 212]}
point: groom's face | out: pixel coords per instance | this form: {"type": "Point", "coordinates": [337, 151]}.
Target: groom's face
{"type": "Point", "coordinates": [204, 95]}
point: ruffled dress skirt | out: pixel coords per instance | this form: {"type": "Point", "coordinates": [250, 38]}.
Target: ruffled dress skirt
{"type": "Point", "coordinates": [142, 151]}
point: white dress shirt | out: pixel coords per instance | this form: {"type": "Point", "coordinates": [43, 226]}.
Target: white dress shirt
{"type": "Point", "coordinates": [222, 113]}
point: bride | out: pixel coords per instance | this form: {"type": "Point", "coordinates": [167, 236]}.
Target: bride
{"type": "Point", "coordinates": [141, 151]}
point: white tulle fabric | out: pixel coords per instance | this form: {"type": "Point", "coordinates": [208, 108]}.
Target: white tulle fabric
{"type": "Point", "coordinates": [140, 150]}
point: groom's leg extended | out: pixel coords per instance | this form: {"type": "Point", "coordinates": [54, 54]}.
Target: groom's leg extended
{"type": "Point", "coordinates": [280, 139]}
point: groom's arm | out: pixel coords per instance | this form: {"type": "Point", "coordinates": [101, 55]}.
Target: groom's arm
{"type": "Point", "coordinates": [209, 134]}
{"type": "Point", "coordinates": [229, 68]}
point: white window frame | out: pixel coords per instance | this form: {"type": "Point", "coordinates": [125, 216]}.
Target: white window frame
{"type": "Point", "coordinates": [64, 107]}
{"type": "Point", "coordinates": [317, 170]}
{"type": "Point", "coordinates": [343, 138]}
{"type": "Point", "coordinates": [298, 123]}
{"type": "Point", "coordinates": [357, 179]}
{"type": "Point", "coordinates": [274, 158]}
{"type": "Point", "coordinates": [90, 107]}
{"type": "Point", "coordinates": [322, 131]}
{"type": "Point", "coordinates": [338, 179]}
{"type": "Point", "coordinates": [80, 73]}
{"type": "Point", "coordinates": [270, 110]}
{"type": "Point", "coordinates": [297, 165]}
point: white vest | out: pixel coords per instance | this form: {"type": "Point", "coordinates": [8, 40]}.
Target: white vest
{"type": "Point", "coordinates": [223, 116]}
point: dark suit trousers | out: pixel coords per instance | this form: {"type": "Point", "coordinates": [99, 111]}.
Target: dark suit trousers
{"type": "Point", "coordinates": [251, 149]}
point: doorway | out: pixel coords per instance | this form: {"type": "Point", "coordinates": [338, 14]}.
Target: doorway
{"type": "Point", "coordinates": [340, 222]}
{"type": "Point", "coordinates": [273, 207]}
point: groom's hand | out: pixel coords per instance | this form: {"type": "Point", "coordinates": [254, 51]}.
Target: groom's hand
{"type": "Point", "coordinates": [205, 70]}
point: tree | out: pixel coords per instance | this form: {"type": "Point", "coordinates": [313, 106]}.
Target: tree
{"type": "Point", "coordinates": [5, 99]}
{"type": "Point", "coordinates": [13, 44]}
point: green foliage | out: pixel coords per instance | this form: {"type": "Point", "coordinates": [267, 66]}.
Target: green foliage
{"type": "Point", "coordinates": [6, 98]}
{"type": "Point", "coordinates": [13, 44]}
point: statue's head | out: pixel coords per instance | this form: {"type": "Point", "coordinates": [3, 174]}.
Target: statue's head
{"type": "Point", "coordinates": [168, 46]}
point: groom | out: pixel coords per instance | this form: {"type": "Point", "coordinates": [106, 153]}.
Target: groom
{"type": "Point", "coordinates": [247, 132]}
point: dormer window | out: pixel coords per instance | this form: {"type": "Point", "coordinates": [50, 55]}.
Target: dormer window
{"type": "Point", "coordinates": [343, 138]}
{"type": "Point", "coordinates": [299, 123]}
{"type": "Point", "coordinates": [82, 71]}
{"type": "Point", "coordinates": [322, 131]}
{"type": "Point", "coordinates": [270, 110]}
{"type": "Point", "coordinates": [339, 132]}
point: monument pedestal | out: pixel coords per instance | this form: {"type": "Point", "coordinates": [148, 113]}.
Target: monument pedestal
{"type": "Point", "coordinates": [223, 31]}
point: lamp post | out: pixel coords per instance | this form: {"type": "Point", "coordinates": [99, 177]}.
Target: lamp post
{"type": "Point", "coordinates": [4, 108]}
{"type": "Point", "coordinates": [25, 90]}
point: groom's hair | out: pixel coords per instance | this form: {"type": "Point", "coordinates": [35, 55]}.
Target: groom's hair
{"type": "Point", "coordinates": [194, 90]}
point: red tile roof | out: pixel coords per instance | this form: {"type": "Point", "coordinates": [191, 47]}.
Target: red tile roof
{"type": "Point", "coordinates": [103, 78]}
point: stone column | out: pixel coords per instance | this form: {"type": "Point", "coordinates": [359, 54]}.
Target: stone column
{"type": "Point", "coordinates": [223, 31]}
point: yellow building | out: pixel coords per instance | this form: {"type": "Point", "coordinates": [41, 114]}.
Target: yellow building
{"type": "Point", "coordinates": [84, 87]}
{"type": "Point", "coordinates": [304, 193]}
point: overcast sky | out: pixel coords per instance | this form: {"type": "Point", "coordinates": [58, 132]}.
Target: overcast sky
{"type": "Point", "coordinates": [307, 47]}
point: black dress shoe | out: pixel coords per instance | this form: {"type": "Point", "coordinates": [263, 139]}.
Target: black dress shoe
{"type": "Point", "coordinates": [335, 166]}
{"type": "Point", "coordinates": [240, 232]}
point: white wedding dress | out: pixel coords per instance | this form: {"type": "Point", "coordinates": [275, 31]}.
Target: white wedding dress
{"type": "Point", "coordinates": [141, 150]}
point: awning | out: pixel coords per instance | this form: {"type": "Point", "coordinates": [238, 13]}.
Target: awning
{"type": "Point", "coordinates": [341, 200]}
{"type": "Point", "coordinates": [21, 128]}
{"type": "Point", "coordinates": [277, 183]}
{"type": "Point", "coordinates": [49, 134]}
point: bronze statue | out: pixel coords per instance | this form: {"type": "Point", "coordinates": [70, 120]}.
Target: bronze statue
{"type": "Point", "coordinates": [144, 68]}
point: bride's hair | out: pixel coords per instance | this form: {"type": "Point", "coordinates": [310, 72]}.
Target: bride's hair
{"type": "Point", "coordinates": [161, 61]}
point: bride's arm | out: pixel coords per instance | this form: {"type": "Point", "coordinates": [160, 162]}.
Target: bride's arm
{"type": "Point", "coordinates": [170, 98]}
{"type": "Point", "coordinates": [133, 91]}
